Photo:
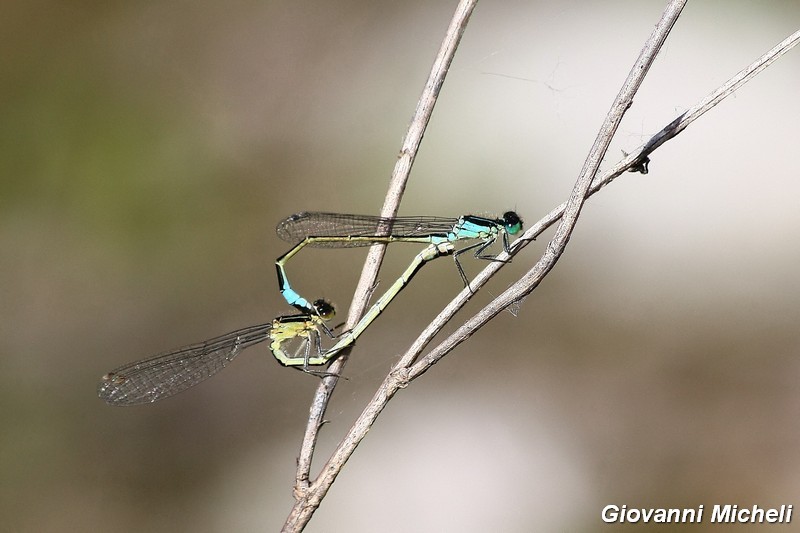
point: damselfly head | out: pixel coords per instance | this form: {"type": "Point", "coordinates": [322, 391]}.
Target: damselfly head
{"type": "Point", "coordinates": [324, 309]}
{"type": "Point", "coordinates": [512, 222]}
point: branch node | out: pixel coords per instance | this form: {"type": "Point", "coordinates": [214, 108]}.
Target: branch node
{"type": "Point", "coordinates": [399, 378]}
{"type": "Point", "coordinates": [300, 491]}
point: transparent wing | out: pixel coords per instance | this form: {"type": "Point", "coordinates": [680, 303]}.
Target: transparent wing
{"type": "Point", "coordinates": [314, 224]}
{"type": "Point", "coordinates": [166, 374]}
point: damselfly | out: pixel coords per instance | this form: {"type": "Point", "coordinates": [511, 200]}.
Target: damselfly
{"type": "Point", "coordinates": [167, 374]}
{"type": "Point", "coordinates": [343, 230]}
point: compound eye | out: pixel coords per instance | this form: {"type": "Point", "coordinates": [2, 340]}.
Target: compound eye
{"type": "Point", "coordinates": [324, 309]}
{"type": "Point", "coordinates": [512, 222]}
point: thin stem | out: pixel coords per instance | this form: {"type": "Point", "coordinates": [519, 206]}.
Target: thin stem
{"type": "Point", "coordinates": [402, 374]}
{"type": "Point", "coordinates": [308, 497]}
{"type": "Point", "coordinates": [668, 132]}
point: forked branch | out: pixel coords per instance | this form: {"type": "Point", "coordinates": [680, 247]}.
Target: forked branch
{"type": "Point", "coordinates": [409, 367]}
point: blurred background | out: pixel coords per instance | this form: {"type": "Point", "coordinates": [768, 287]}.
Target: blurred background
{"type": "Point", "coordinates": [148, 150]}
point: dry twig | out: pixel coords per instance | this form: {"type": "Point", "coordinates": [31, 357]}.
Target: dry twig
{"type": "Point", "coordinates": [309, 495]}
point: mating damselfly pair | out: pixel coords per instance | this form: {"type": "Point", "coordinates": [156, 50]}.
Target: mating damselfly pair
{"type": "Point", "coordinates": [295, 340]}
